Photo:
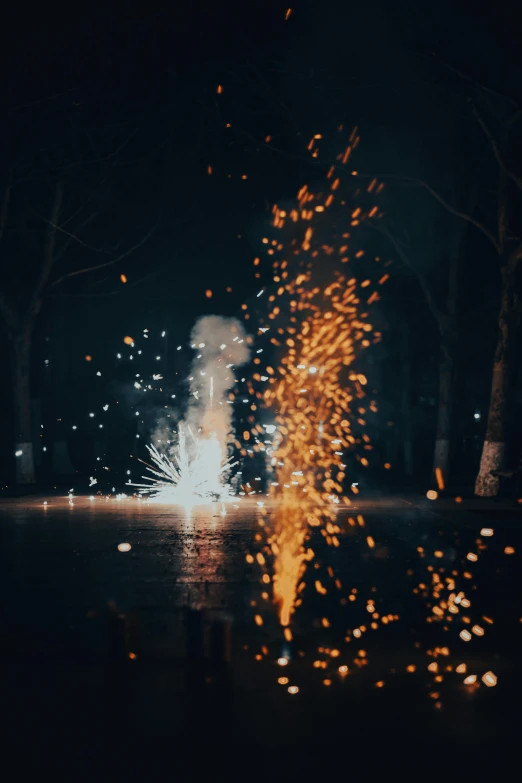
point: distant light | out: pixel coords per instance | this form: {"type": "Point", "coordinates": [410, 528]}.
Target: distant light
{"type": "Point", "coordinates": [18, 453]}
{"type": "Point", "coordinates": [91, 415]}
{"type": "Point", "coordinates": [293, 689]}
{"type": "Point", "coordinates": [208, 293]}
{"type": "Point", "coordinates": [476, 415]}
{"type": "Point", "coordinates": [312, 370]}
{"type": "Point", "coordinates": [282, 661]}
{"type": "Point", "coordinates": [123, 278]}
{"type": "Point", "coordinates": [432, 494]}
{"type": "Point", "coordinates": [74, 427]}
{"type": "Point", "coordinates": [270, 428]}
{"type": "Point", "coordinates": [128, 340]}
{"type": "Point", "coordinates": [163, 334]}
{"type": "Point", "coordinates": [158, 358]}
{"type": "Point", "coordinates": [124, 547]}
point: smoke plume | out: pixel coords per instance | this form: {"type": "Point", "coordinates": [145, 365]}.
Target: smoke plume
{"type": "Point", "coordinates": [221, 346]}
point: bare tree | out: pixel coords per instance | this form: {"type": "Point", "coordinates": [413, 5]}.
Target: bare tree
{"type": "Point", "coordinates": [51, 260]}
{"type": "Point", "coordinates": [504, 234]}
{"type": "Point", "coordinates": [504, 115]}
{"type": "Point", "coordinates": [443, 308]}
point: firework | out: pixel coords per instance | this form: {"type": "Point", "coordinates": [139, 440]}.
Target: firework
{"type": "Point", "coordinates": [190, 475]}
{"type": "Point", "coordinates": [318, 330]}
{"type": "Point", "coordinates": [197, 469]}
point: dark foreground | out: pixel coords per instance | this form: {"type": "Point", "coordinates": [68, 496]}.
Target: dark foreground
{"type": "Point", "coordinates": [149, 662]}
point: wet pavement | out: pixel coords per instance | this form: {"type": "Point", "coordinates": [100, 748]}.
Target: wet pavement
{"type": "Point", "coordinates": [154, 653]}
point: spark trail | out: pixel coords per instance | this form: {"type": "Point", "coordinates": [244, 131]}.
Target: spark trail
{"type": "Point", "coordinates": [319, 330]}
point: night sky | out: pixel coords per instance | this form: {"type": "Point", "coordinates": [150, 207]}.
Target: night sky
{"type": "Point", "coordinates": [127, 104]}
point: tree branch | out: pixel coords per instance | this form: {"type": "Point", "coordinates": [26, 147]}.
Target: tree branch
{"type": "Point", "coordinates": [494, 146]}
{"type": "Point", "coordinates": [49, 254]}
{"type": "Point", "coordinates": [425, 287]}
{"type": "Point", "coordinates": [102, 266]}
{"type": "Point", "coordinates": [454, 211]}
{"type": "Point", "coordinates": [73, 238]}
{"type": "Point", "coordinates": [514, 100]}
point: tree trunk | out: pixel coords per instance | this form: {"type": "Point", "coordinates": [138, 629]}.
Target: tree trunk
{"type": "Point", "coordinates": [494, 448]}
{"type": "Point", "coordinates": [441, 453]}
{"type": "Point", "coordinates": [406, 412]}
{"type": "Point", "coordinates": [448, 342]}
{"type": "Point", "coordinates": [21, 374]}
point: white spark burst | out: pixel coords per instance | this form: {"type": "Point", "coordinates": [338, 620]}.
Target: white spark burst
{"type": "Point", "coordinates": [188, 478]}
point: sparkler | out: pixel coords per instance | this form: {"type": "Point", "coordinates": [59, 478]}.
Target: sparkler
{"type": "Point", "coordinates": [186, 479]}
{"type": "Point", "coordinates": [198, 470]}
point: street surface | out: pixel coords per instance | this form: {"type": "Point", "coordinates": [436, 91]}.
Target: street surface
{"type": "Point", "coordinates": [106, 649]}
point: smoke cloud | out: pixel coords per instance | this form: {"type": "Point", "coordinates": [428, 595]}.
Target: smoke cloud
{"type": "Point", "coordinates": [221, 346]}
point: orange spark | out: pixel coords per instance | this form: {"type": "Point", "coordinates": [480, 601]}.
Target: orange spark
{"type": "Point", "coordinates": [439, 478]}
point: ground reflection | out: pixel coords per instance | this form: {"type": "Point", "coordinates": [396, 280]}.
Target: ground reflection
{"type": "Point", "coordinates": [396, 603]}
{"type": "Point", "coordinates": [181, 630]}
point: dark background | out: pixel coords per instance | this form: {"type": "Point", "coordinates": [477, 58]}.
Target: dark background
{"type": "Point", "coordinates": [130, 96]}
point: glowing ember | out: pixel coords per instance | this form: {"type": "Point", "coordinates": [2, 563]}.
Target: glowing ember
{"type": "Point", "coordinates": [489, 679]}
